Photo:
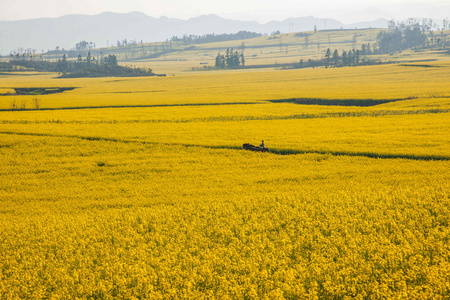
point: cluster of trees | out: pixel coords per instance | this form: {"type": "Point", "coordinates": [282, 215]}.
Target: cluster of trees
{"type": "Point", "coordinates": [83, 67]}
{"type": "Point", "coordinates": [90, 62]}
{"type": "Point", "coordinates": [397, 40]}
{"type": "Point", "coordinates": [210, 38]}
{"type": "Point", "coordinates": [426, 24]}
{"type": "Point", "coordinates": [24, 56]}
{"type": "Point", "coordinates": [231, 59]}
{"type": "Point", "coordinates": [367, 49]}
{"type": "Point", "coordinates": [83, 45]}
{"type": "Point", "coordinates": [411, 34]}
{"type": "Point", "coordinates": [348, 58]}
{"type": "Point", "coordinates": [22, 52]}
{"type": "Point", "coordinates": [126, 42]}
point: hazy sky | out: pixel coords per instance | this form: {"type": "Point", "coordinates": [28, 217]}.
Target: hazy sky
{"type": "Point", "coordinates": [260, 10]}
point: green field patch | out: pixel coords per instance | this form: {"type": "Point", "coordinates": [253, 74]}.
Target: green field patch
{"type": "Point", "coordinates": [37, 91]}
{"type": "Point", "coordinates": [420, 65]}
{"type": "Point", "coordinates": [360, 154]}
{"type": "Point", "coordinates": [135, 92]}
{"type": "Point", "coordinates": [16, 74]}
{"type": "Point", "coordinates": [339, 102]}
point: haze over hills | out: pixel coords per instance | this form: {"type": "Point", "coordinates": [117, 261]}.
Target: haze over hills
{"type": "Point", "coordinates": [107, 28]}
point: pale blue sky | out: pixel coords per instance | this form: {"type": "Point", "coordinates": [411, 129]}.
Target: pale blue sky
{"type": "Point", "coordinates": [260, 10]}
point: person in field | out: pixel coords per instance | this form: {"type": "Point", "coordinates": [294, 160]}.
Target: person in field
{"type": "Point", "coordinates": [262, 145]}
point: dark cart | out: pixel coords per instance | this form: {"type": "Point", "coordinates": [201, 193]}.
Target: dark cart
{"type": "Point", "coordinates": [254, 148]}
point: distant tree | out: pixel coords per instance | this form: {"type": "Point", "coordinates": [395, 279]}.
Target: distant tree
{"type": "Point", "coordinates": [445, 24]}
{"type": "Point", "coordinates": [79, 63]}
{"type": "Point", "coordinates": [59, 66]}
{"type": "Point", "coordinates": [336, 57]}
{"type": "Point", "coordinates": [64, 65]}
{"type": "Point", "coordinates": [228, 58]}
{"type": "Point", "coordinates": [344, 58]}
{"type": "Point", "coordinates": [363, 49]}
{"type": "Point", "coordinates": [352, 57]}
{"type": "Point", "coordinates": [220, 61]}
{"type": "Point", "coordinates": [111, 60]}
{"type": "Point", "coordinates": [328, 55]}
{"type": "Point", "coordinates": [89, 59]}
{"type": "Point", "coordinates": [236, 59]}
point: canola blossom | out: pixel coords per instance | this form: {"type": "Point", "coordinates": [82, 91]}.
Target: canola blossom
{"type": "Point", "coordinates": [162, 202]}
{"type": "Point", "coordinates": [372, 82]}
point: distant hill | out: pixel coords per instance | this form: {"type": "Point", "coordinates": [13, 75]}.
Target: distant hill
{"type": "Point", "coordinates": [108, 28]}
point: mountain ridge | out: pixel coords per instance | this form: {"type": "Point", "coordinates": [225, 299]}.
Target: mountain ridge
{"type": "Point", "coordinates": [106, 28]}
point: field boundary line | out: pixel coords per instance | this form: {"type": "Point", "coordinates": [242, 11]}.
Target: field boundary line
{"type": "Point", "coordinates": [359, 114]}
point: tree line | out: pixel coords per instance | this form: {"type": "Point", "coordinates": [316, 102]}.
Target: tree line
{"type": "Point", "coordinates": [346, 58]}
{"type": "Point", "coordinates": [210, 38]}
{"type": "Point", "coordinates": [90, 62]}
{"type": "Point", "coordinates": [83, 67]}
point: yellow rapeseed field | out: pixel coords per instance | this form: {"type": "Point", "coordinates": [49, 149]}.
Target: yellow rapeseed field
{"type": "Point", "coordinates": [371, 82]}
{"type": "Point", "coordinates": [140, 188]}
